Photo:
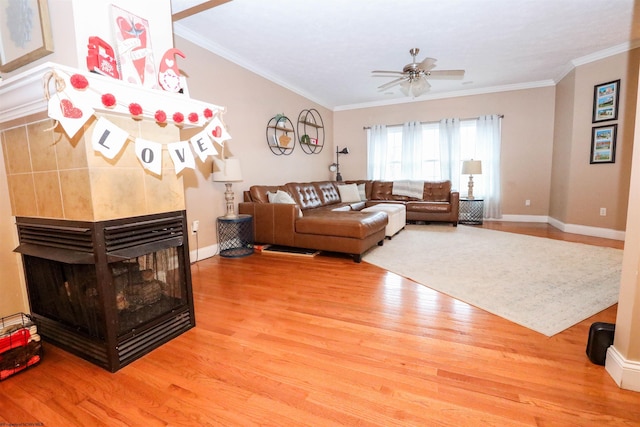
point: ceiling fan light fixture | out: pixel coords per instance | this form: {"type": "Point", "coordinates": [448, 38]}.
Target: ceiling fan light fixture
{"type": "Point", "coordinates": [419, 86]}
{"type": "Point", "coordinates": [413, 77]}
{"type": "Point", "coordinates": [405, 87]}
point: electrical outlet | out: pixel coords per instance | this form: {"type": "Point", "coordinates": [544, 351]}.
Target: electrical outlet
{"type": "Point", "coordinates": [603, 211]}
{"type": "Point", "coordinates": [194, 226]}
{"type": "Point", "coordinates": [527, 202]}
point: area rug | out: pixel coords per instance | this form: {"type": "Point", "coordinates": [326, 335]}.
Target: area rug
{"type": "Point", "coordinates": [543, 284]}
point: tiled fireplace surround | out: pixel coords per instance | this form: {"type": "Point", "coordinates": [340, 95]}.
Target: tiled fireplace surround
{"type": "Point", "coordinates": [52, 176]}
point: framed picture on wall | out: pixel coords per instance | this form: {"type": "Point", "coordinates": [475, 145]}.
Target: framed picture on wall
{"type": "Point", "coordinates": [603, 144]}
{"type": "Point", "coordinates": [605, 101]}
{"type": "Point", "coordinates": [25, 33]}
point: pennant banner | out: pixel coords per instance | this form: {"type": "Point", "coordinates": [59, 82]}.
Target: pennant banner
{"type": "Point", "coordinates": [73, 108]}
{"type": "Point", "coordinates": [216, 130]}
{"type": "Point", "coordinates": [181, 155]}
{"type": "Point", "coordinates": [150, 155]}
{"type": "Point", "coordinates": [203, 146]}
{"type": "Point", "coordinates": [71, 116]}
{"type": "Point", "coordinates": [108, 139]}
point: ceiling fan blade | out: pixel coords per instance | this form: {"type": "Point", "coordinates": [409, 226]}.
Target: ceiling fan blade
{"type": "Point", "coordinates": [388, 72]}
{"type": "Point", "coordinates": [391, 83]}
{"type": "Point", "coordinates": [445, 74]}
{"type": "Point", "coordinates": [427, 64]}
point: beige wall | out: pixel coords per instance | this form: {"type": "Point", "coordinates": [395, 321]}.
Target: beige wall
{"type": "Point", "coordinates": [562, 137]}
{"type": "Point", "coordinates": [527, 137]}
{"type": "Point", "coordinates": [251, 101]}
{"type": "Point", "coordinates": [13, 294]}
{"type": "Point", "coordinates": [579, 188]}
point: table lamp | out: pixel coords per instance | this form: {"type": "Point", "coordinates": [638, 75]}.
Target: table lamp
{"type": "Point", "coordinates": [471, 167]}
{"type": "Point", "coordinates": [229, 172]}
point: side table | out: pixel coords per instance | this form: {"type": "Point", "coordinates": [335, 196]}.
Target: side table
{"type": "Point", "coordinates": [471, 211]}
{"type": "Point", "coordinates": [235, 236]}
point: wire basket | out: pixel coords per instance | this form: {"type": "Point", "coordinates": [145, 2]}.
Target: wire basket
{"type": "Point", "coordinates": [20, 344]}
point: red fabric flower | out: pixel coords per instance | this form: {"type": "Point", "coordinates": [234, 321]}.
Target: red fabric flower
{"type": "Point", "coordinates": [78, 81]}
{"type": "Point", "coordinates": [208, 113]}
{"type": "Point", "coordinates": [135, 109]}
{"type": "Point", "coordinates": [178, 117]}
{"type": "Point", "coordinates": [161, 116]}
{"type": "Point", "coordinates": [193, 117]}
{"type": "Point", "coordinates": [108, 100]}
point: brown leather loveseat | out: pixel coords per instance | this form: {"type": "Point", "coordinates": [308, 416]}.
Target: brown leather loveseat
{"type": "Point", "coordinates": [439, 202]}
{"type": "Point", "coordinates": [314, 216]}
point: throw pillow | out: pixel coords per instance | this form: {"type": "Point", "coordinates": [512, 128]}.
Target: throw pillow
{"type": "Point", "coordinates": [280, 197]}
{"type": "Point", "coordinates": [349, 193]}
{"type": "Point", "coordinates": [362, 192]}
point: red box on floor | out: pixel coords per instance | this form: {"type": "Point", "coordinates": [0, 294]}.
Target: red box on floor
{"type": "Point", "coordinates": [20, 344]}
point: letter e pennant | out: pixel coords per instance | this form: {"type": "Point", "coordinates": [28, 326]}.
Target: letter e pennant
{"type": "Point", "coordinates": [203, 146]}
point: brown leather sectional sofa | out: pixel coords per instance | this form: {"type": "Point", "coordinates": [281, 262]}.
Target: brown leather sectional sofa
{"type": "Point", "coordinates": [316, 217]}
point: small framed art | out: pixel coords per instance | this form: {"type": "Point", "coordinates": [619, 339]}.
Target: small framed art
{"type": "Point", "coordinates": [605, 101]}
{"type": "Point", "coordinates": [25, 33]}
{"type": "Point", "coordinates": [603, 144]}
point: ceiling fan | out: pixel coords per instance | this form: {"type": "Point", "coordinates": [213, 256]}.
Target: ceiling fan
{"type": "Point", "coordinates": [413, 77]}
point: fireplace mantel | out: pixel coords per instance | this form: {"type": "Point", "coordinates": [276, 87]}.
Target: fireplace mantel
{"type": "Point", "coordinates": [23, 95]}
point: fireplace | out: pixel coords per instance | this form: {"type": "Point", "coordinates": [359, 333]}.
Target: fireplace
{"type": "Point", "coordinates": [108, 291]}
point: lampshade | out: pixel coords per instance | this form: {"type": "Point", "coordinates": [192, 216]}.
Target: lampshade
{"type": "Point", "coordinates": [229, 170]}
{"type": "Point", "coordinates": [471, 167]}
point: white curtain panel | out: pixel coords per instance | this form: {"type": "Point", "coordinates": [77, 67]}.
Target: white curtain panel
{"type": "Point", "coordinates": [377, 152]}
{"type": "Point", "coordinates": [488, 148]}
{"type": "Point", "coordinates": [450, 151]}
{"type": "Point", "coordinates": [412, 151]}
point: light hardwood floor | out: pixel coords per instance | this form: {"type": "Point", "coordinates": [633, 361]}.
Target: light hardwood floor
{"type": "Point", "coordinates": [293, 341]}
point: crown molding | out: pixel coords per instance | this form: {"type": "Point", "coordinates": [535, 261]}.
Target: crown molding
{"type": "Point", "coordinates": [605, 53]}
{"type": "Point", "coordinates": [188, 34]}
{"type": "Point", "coordinates": [454, 94]}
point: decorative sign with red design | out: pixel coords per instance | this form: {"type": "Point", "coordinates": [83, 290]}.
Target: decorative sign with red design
{"type": "Point", "coordinates": [133, 44]}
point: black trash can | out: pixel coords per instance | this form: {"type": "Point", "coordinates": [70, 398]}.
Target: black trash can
{"type": "Point", "coordinates": [600, 338]}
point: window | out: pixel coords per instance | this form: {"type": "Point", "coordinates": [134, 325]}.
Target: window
{"type": "Point", "coordinates": [435, 151]}
{"type": "Point", "coordinates": [430, 160]}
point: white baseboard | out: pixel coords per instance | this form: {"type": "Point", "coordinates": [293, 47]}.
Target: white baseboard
{"type": "Point", "coordinates": [626, 373]}
{"type": "Point", "coordinates": [585, 230]}
{"type": "Point", "coordinates": [203, 253]}
{"type": "Point", "coordinates": [522, 218]}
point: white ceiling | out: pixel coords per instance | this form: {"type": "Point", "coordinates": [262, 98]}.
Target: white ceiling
{"type": "Point", "coordinates": [325, 50]}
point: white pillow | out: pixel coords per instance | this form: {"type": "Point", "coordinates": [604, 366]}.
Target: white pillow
{"type": "Point", "coordinates": [362, 192]}
{"type": "Point", "coordinates": [280, 197]}
{"type": "Point", "coordinates": [349, 193]}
